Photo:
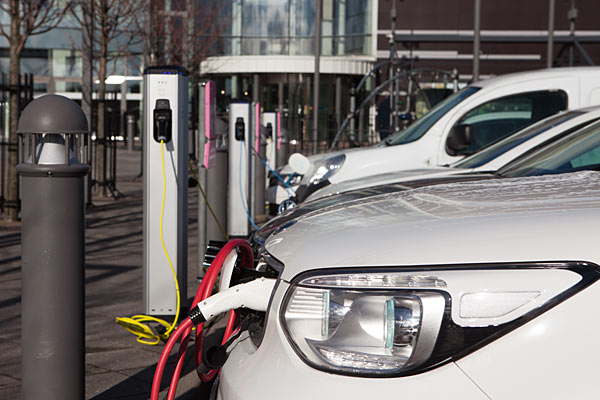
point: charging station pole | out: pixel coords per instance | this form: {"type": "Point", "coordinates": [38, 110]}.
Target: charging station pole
{"type": "Point", "coordinates": [240, 160]}
{"type": "Point", "coordinates": [165, 118]}
{"type": "Point", "coordinates": [212, 172]}
{"type": "Point", "coordinates": [259, 176]}
{"type": "Point", "coordinates": [282, 144]}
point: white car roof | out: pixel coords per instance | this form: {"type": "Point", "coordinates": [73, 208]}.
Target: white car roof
{"type": "Point", "coordinates": [546, 218]}
{"type": "Point", "coordinates": [540, 73]}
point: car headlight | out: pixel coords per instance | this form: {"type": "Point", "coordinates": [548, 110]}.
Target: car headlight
{"type": "Point", "coordinates": [325, 169]}
{"type": "Point", "coordinates": [393, 323]}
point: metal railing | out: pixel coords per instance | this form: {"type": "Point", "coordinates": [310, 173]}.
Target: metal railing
{"type": "Point", "coordinates": [25, 92]}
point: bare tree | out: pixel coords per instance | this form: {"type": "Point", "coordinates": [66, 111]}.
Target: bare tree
{"type": "Point", "coordinates": [182, 34]}
{"type": "Point", "coordinates": [27, 18]}
{"type": "Point", "coordinates": [110, 37]}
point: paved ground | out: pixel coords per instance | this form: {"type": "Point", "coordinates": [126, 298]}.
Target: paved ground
{"type": "Point", "coordinates": [117, 367]}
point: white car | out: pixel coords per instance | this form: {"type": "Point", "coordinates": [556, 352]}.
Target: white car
{"type": "Point", "coordinates": [473, 290]}
{"type": "Point", "coordinates": [576, 149]}
{"type": "Point", "coordinates": [459, 125]}
{"type": "Point", "coordinates": [489, 159]}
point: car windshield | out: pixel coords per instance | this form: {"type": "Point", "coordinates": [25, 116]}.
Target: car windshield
{"type": "Point", "coordinates": [501, 146]}
{"type": "Point", "coordinates": [577, 151]}
{"type": "Point", "coordinates": [423, 124]}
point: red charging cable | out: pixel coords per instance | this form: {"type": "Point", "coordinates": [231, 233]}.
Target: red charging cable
{"type": "Point", "coordinates": [185, 327]}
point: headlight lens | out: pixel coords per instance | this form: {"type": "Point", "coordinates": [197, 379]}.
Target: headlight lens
{"type": "Point", "coordinates": [390, 323]}
{"type": "Point", "coordinates": [325, 169]}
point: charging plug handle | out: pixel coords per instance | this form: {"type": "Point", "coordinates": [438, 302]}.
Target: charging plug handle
{"type": "Point", "coordinates": [254, 295]}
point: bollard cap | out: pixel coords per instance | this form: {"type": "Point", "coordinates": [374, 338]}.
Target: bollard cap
{"type": "Point", "coordinates": [53, 114]}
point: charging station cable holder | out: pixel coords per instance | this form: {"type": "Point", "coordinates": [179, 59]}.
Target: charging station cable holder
{"type": "Point", "coordinates": [163, 121]}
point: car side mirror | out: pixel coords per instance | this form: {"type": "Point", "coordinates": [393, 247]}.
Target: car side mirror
{"type": "Point", "coordinates": [460, 137]}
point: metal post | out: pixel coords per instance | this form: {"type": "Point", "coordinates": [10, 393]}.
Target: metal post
{"type": "Point", "coordinates": [198, 149]}
{"type": "Point", "coordinates": [253, 147]}
{"type": "Point", "coordinates": [306, 116]}
{"type": "Point", "coordinates": [550, 50]}
{"type": "Point", "coordinates": [283, 146]}
{"type": "Point", "coordinates": [572, 17]}
{"type": "Point", "coordinates": [216, 180]}
{"type": "Point", "coordinates": [476, 41]}
{"type": "Point", "coordinates": [394, 83]}
{"type": "Point", "coordinates": [338, 102]}
{"type": "Point", "coordinates": [280, 97]}
{"type": "Point", "coordinates": [259, 182]}
{"type": "Point", "coordinates": [87, 78]}
{"type": "Point", "coordinates": [53, 255]}
{"type": "Point", "coordinates": [280, 123]}
{"type": "Point", "coordinates": [315, 135]}
{"type": "Point", "coordinates": [256, 88]}
{"type": "Point", "coordinates": [352, 112]}
{"type": "Point", "coordinates": [361, 126]}
{"type": "Point", "coordinates": [123, 108]}
{"type": "Point", "coordinates": [284, 149]}
{"type": "Point", "coordinates": [455, 80]}
{"type": "Point", "coordinates": [202, 213]}
{"type": "Point", "coordinates": [235, 87]}
{"type": "Point", "coordinates": [131, 125]}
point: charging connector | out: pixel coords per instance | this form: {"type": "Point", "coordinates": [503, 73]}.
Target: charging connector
{"type": "Point", "coordinates": [254, 295]}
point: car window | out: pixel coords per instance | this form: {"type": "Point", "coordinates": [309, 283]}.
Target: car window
{"type": "Point", "coordinates": [587, 159]}
{"type": "Point", "coordinates": [577, 151]}
{"type": "Point", "coordinates": [501, 146]}
{"type": "Point", "coordinates": [423, 124]}
{"type": "Point", "coordinates": [499, 118]}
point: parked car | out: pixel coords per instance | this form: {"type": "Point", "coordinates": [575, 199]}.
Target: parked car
{"type": "Point", "coordinates": [488, 159]}
{"type": "Point", "coordinates": [458, 126]}
{"type": "Point", "coordinates": [472, 290]}
{"type": "Point", "coordinates": [575, 150]}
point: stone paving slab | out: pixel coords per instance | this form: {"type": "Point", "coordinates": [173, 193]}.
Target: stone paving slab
{"type": "Point", "coordinates": [117, 367]}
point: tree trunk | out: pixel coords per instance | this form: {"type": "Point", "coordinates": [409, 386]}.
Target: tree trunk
{"type": "Point", "coordinates": [100, 133]}
{"type": "Point", "coordinates": [12, 191]}
{"type": "Point", "coordinates": [87, 62]}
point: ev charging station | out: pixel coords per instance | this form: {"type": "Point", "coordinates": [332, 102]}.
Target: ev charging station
{"type": "Point", "coordinates": [165, 118]}
{"type": "Point", "coordinates": [240, 142]}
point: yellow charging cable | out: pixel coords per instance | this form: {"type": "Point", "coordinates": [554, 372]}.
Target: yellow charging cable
{"type": "Point", "coordinates": [136, 324]}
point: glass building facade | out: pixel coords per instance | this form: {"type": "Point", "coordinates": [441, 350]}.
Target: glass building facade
{"type": "Point", "coordinates": [272, 43]}
{"type": "Point", "coordinates": [287, 27]}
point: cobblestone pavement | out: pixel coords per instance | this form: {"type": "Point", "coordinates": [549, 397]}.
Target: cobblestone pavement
{"type": "Point", "coordinates": [117, 367]}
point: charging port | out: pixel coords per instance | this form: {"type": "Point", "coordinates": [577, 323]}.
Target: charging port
{"type": "Point", "coordinates": [162, 121]}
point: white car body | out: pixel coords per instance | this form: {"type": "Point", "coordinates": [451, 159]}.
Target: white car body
{"type": "Point", "coordinates": [581, 85]}
{"type": "Point", "coordinates": [588, 115]}
{"type": "Point", "coordinates": [549, 219]}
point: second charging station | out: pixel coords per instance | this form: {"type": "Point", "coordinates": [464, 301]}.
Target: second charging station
{"type": "Point", "coordinates": [165, 118]}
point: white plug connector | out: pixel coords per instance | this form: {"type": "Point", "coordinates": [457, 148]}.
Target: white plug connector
{"type": "Point", "coordinates": [254, 295]}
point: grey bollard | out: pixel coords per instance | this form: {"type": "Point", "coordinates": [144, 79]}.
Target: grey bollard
{"type": "Point", "coordinates": [53, 249]}
{"type": "Point", "coordinates": [131, 125]}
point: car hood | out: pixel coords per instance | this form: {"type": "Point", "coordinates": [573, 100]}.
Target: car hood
{"type": "Point", "coordinates": [336, 200]}
{"type": "Point", "coordinates": [383, 179]}
{"type": "Point", "coordinates": [500, 220]}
